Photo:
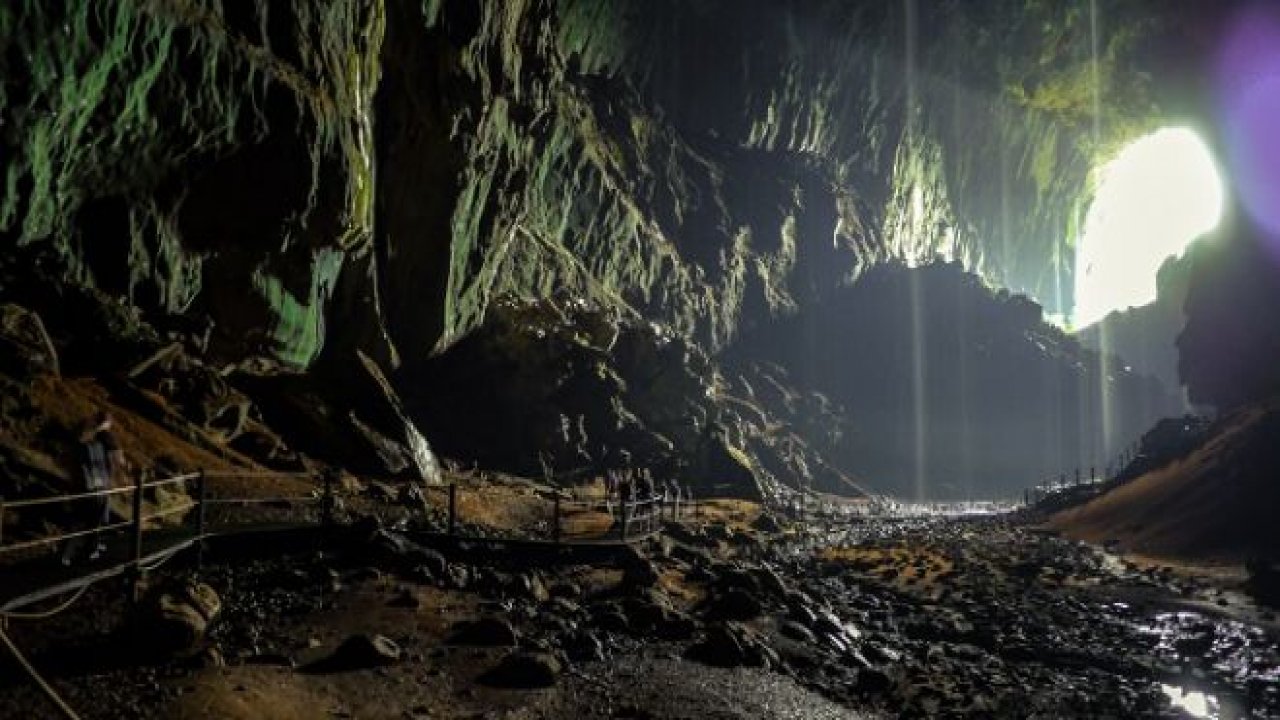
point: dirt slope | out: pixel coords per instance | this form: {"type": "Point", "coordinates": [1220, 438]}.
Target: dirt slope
{"type": "Point", "coordinates": [1221, 502]}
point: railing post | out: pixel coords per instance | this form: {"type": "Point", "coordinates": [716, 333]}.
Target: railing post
{"type": "Point", "coordinates": [137, 536]}
{"type": "Point", "coordinates": [202, 495]}
{"type": "Point", "coordinates": [555, 519]}
{"type": "Point", "coordinates": [623, 528]}
{"type": "Point", "coordinates": [1, 521]}
{"type": "Point", "coordinates": [453, 509]}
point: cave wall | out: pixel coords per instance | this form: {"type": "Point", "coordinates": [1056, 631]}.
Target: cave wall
{"type": "Point", "coordinates": [713, 164]}
{"type": "Point", "coordinates": [305, 183]}
{"type": "Point", "coordinates": [372, 173]}
{"type": "Point", "coordinates": [203, 160]}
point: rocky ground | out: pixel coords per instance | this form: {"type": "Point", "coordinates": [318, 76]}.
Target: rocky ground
{"type": "Point", "coordinates": [738, 614]}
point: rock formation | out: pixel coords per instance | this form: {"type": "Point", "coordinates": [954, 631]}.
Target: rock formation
{"type": "Point", "coordinates": [295, 186]}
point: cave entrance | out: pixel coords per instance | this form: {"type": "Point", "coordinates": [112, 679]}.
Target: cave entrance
{"type": "Point", "coordinates": [1153, 199]}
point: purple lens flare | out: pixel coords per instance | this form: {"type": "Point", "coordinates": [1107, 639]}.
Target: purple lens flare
{"type": "Point", "coordinates": [1249, 96]}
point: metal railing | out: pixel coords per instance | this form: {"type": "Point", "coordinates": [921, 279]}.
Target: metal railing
{"type": "Point", "coordinates": [554, 515]}
{"type": "Point", "coordinates": [138, 521]}
{"type": "Point", "coordinates": [560, 515]}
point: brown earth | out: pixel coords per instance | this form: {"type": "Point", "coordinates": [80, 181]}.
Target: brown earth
{"type": "Point", "coordinates": [1217, 505]}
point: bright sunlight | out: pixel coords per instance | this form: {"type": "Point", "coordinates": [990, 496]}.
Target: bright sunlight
{"type": "Point", "coordinates": [1156, 197]}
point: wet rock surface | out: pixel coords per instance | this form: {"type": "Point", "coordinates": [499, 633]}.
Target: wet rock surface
{"type": "Point", "coordinates": [861, 617]}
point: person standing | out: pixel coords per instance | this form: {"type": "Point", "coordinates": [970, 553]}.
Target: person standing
{"type": "Point", "coordinates": [101, 463]}
{"type": "Point", "coordinates": [611, 488]}
{"type": "Point", "coordinates": [626, 494]}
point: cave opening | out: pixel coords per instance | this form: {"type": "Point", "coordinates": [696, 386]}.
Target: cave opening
{"type": "Point", "coordinates": [1153, 199]}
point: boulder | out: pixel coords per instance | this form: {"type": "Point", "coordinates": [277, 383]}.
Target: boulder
{"type": "Point", "coordinates": [872, 681]}
{"type": "Point", "coordinates": [796, 631]}
{"type": "Point", "coordinates": [565, 589]}
{"type": "Point", "coordinates": [731, 645]}
{"type": "Point", "coordinates": [645, 611]}
{"type": "Point", "coordinates": [610, 618]}
{"type": "Point", "coordinates": [178, 617]}
{"type": "Point", "coordinates": [25, 347]}
{"type": "Point", "coordinates": [485, 632]}
{"type": "Point", "coordinates": [582, 646]}
{"type": "Point", "coordinates": [459, 577]}
{"type": "Point", "coordinates": [732, 604]}
{"type": "Point", "coordinates": [529, 586]}
{"type": "Point", "coordinates": [767, 522]}
{"type": "Point", "coordinates": [524, 670]}
{"type": "Point", "coordinates": [676, 626]}
{"type": "Point", "coordinates": [358, 652]}
{"type": "Point", "coordinates": [640, 574]}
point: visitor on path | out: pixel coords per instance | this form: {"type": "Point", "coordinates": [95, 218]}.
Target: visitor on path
{"type": "Point", "coordinates": [101, 463]}
{"type": "Point", "coordinates": [646, 482]}
{"type": "Point", "coordinates": [673, 497]}
{"type": "Point", "coordinates": [611, 488]}
{"type": "Point", "coordinates": [626, 493]}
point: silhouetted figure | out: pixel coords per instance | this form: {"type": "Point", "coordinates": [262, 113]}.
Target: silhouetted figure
{"type": "Point", "coordinates": [101, 461]}
{"type": "Point", "coordinates": [648, 494]}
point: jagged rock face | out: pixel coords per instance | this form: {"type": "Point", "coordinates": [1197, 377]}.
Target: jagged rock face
{"type": "Point", "coordinates": [314, 182]}
{"type": "Point", "coordinates": [1227, 352]}
{"type": "Point", "coordinates": [953, 390]}
{"type": "Point", "coordinates": [714, 164]}
{"type": "Point", "coordinates": [958, 129]}
{"type": "Point", "coordinates": [1145, 336]}
{"type": "Point", "coordinates": [568, 389]}
{"type": "Point", "coordinates": [707, 164]}
{"type": "Point", "coordinates": [200, 159]}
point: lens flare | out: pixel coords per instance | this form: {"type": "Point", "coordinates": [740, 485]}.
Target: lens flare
{"type": "Point", "coordinates": [1249, 94]}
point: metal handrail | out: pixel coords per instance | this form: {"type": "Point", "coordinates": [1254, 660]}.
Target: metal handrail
{"type": "Point", "coordinates": [62, 537]}
{"type": "Point", "coordinates": [228, 474]}
{"type": "Point", "coordinates": [634, 510]}
{"type": "Point", "coordinates": [263, 501]}
{"type": "Point", "coordinates": [71, 497]}
{"type": "Point", "coordinates": [6, 505]}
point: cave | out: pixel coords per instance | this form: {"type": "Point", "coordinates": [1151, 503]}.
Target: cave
{"type": "Point", "coordinates": [808, 357]}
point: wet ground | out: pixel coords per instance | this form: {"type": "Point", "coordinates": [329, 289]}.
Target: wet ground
{"type": "Point", "coordinates": [906, 617]}
{"type": "Point", "coordinates": [1030, 624]}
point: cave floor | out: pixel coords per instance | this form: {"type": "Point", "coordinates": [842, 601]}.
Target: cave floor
{"type": "Point", "coordinates": [860, 618]}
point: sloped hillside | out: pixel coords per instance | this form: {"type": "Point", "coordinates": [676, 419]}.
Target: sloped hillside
{"type": "Point", "coordinates": [1217, 503]}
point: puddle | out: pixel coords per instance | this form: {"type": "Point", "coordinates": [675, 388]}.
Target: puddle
{"type": "Point", "coordinates": [1192, 702]}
